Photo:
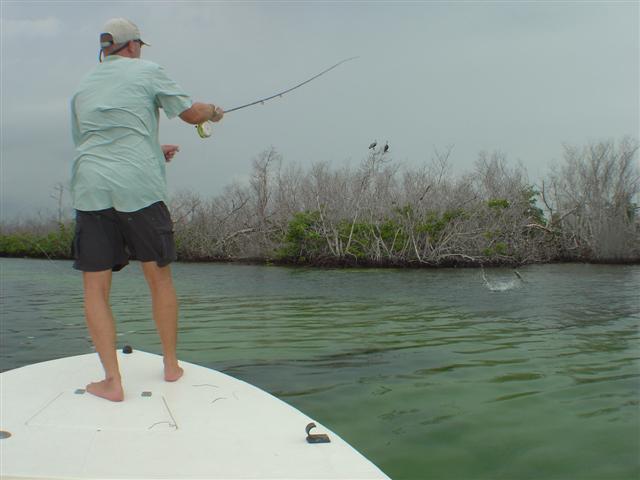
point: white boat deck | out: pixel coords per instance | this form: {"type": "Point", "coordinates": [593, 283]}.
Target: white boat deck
{"type": "Point", "coordinates": [207, 425]}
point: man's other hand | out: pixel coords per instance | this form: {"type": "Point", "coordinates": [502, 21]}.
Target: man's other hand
{"type": "Point", "coordinates": [169, 151]}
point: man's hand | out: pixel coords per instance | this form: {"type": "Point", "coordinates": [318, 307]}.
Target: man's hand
{"type": "Point", "coordinates": [216, 114]}
{"type": "Point", "coordinates": [201, 112]}
{"type": "Point", "coordinates": [169, 151]}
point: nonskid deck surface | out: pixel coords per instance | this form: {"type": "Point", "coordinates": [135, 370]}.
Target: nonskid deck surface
{"type": "Point", "coordinates": [206, 425]}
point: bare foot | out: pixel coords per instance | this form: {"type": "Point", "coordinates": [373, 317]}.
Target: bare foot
{"type": "Point", "coordinates": [172, 373]}
{"type": "Point", "coordinates": [109, 389]}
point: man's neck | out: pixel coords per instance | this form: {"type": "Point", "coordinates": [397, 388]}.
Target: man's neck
{"type": "Point", "coordinates": [120, 55]}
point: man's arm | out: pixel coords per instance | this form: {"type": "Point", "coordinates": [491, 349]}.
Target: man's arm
{"type": "Point", "coordinates": [201, 112]}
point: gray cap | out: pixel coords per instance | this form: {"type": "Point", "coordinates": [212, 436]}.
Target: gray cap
{"type": "Point", "coordinates": [121, 31]}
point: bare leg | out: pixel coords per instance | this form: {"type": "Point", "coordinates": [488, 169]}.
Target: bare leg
{"type": "Point", "coordinates": [101, 325]}
{"type": "Point", "coordinates": [165, 314]}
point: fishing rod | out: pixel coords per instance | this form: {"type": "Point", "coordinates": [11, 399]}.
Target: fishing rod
{"type": "Point", "coordinates": [205, 129]}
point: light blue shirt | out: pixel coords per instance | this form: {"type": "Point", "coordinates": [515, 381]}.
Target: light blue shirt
{"type": "Point", "coordinates": [114, 121]}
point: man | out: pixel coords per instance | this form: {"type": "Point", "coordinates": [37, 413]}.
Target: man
{"type": "Point", "coordinates": [119, 189]}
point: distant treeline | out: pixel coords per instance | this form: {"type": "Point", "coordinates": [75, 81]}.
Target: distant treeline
{"type": "Point", "coordinates": [380, 214]}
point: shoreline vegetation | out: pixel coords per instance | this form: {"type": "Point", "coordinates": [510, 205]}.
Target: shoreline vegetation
{"type": "Point", "coordinates": [381, 215]}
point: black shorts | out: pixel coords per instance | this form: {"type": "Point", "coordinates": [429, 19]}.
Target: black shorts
{"type": "Point", "coordinates": [108, 239]}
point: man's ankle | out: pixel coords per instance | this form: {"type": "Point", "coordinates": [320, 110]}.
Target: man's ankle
{"type": "Point", "coordinates": [170, 360]}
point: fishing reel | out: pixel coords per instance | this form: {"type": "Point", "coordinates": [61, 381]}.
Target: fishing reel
{"type": "Point", "coordinates": [205, 129]}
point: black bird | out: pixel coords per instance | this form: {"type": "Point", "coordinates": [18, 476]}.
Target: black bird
{"type": "Point", "coordinates": [386, 147]}
{"type": "Point", "coordinates": [373, 145]}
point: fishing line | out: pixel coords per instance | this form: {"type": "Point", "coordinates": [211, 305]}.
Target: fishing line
{"type": "Point", "coordinates": [205, 129]}
{"type": "Point", "coordinates": [49, 259]}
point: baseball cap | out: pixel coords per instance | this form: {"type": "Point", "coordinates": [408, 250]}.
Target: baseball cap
{"type": "Point", "coordinates": [121, 31]}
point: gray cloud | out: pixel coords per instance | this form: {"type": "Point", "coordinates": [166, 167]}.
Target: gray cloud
{"type": "Point", "coordinates": [25, 28]}
{"type": "Point", "coordinates": [518, 77]}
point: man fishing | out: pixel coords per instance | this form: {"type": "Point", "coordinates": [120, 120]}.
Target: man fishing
{"type": "Point", "coordinates": [119, 189]}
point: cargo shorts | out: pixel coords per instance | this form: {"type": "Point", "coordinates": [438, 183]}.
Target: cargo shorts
{"type": "Point", "coordinates": [108, 239]}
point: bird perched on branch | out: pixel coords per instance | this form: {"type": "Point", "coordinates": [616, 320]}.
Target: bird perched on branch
{"type": "Point", "coordinates": [373, 145]}
{"type": "Point", "coordinates": [386, 147]}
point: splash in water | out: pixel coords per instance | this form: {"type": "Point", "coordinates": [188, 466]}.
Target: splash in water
{"type": "Point", "coordinates": [503, 285]}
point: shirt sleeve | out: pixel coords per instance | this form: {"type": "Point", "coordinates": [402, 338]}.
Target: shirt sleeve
{"type": "Point", "coordinates": [169, 95]}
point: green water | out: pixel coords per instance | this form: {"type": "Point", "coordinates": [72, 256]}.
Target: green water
{"type": "Point", "coordinates": [428, 373]}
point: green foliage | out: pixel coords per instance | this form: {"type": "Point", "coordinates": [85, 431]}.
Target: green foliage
{"type": "Point", "coordinates": [302, 241]}
{"type": "Point", "coordinates": [453, 214]}
{"type": "Point", "coordinates": [435, 224]}
{"type": "Point", "coordinates": [490, 235]}
{"type": "Point", "coordinates": [360, 234]}
{"type": "Point", "coordinates": [393, 235]}
{"type": "Point", "coordinates": [534, 212]}
{"type": "Point", "coordinates": [498, 203]}
{"type": "Point", "coordinates": [406, 211]}
{"type": "Point", "coordinates": [498, 248]}
{"type": "Point", "coordinates": [55, 244]}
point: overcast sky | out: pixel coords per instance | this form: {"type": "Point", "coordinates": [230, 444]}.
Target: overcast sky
{"type": "Point", "coordinates": [519, 77]}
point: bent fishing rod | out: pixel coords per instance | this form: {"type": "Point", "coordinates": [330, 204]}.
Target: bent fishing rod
{"type": "Point", "coordinates": [205, 129]}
